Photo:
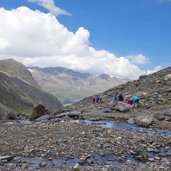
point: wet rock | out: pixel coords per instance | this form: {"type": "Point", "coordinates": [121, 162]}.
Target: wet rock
{"type": "Point", "coordinates": [142, 157]}
{"type": "Point", "coordinates": [24, 166]}
{"type": "Point", "coordinates": [144, 120]}
{"type": "Point", "coordinates": [159, 116]}
{"type": "Point", "coordinates": [39, 111]}
{"type": "Point", "coordinates": [90, 161]}
{"type": "Point", "coordinates": [42, 164]}
{"type": "Point", "coordinates": [11, 116]}
{"type": "Point", "coordinates": [6, 158]}
{"type": "Point", "coordinates": [131, 121]}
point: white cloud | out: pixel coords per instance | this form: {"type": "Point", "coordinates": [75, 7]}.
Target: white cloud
{"type": "Point", "coordinates": [38, 39]}
{"type": "Point", "coordinates": [139, 59]}
{"type": "Point", "coordinates": [50, 5]}
{"type": "Point", "coordinates": [157, 68]}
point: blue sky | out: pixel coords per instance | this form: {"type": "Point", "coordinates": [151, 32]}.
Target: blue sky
{"type": "Point", "coordinates": [136, 32]}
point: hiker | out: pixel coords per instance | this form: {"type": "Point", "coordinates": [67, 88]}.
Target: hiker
{"type": "Point", "coordinates": [115, 98]}
{"type": "Point", "coordinates": [135, 100]}
{"type": "Point", "coordinates": [94, 99]}
{"type": "Point", "coordinates": [130, 103]}
{"type": "Point", "coordinates": [97, 98]}
{"type": "Point", "coordinates": [120, 97]}
{"type": "Point", "coordinates": [100, 99]}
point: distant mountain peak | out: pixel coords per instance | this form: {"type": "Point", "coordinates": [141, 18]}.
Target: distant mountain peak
{"type": "Point", "coordinates": [71, 86]}
{"type": "Point", "coordinates": [104, 76]}
{"type": "Point", "coordinates": [61, 70]}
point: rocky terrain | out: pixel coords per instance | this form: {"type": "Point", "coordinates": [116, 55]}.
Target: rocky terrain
{"type": "Point", "coordinates": [71, 86]}
{"type": "Point", "coordinates": [97, 136]}
{"type": "Point", "coordinates": [19, 91]}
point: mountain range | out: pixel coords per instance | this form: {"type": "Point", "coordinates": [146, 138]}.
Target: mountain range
{"type": "Point", "coordinates": [71, 86]}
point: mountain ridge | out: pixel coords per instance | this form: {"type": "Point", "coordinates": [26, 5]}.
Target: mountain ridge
{"type": "Point", "coordinates": [71, 86]}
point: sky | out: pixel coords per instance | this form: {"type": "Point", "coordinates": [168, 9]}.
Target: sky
{"type": "Point", "coordinates": [123, 38]}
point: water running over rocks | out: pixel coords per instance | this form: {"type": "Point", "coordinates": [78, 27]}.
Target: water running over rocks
{"type": "Point", "coordinates": [124, 125]}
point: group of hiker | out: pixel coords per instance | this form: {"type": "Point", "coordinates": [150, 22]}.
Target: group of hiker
{"type": "Point", "coordinates": [133, 102]}
{"type": "Point", "coordinates": [97, 99]}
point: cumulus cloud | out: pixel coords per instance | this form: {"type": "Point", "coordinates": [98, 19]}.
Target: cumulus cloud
{"type": "Point", "coordinates": [38, 39]}
{"type": "Point", "coordinates": [138, 59]}
{"type": "Point", "coordinates": [50, 5]}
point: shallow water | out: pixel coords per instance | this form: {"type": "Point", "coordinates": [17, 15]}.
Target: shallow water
{"type": "Point", "coordinates": [125, 125]}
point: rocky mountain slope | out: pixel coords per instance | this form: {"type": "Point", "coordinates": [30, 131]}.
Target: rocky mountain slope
{"type": "Point", "coordinates": [17, 92]}
{"type": "Point", "coordinates": [13, 68]}
{"type": "Point", "coordinates": [154, 91]}
{"type": "Point", "coordinates": [71, 86]}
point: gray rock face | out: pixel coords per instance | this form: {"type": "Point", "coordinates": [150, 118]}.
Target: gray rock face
{"type": "Point", "coordinates": [144, 120]}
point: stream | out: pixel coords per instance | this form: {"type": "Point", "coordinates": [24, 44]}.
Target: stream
{"type": "Point", "coordinates": [125, 125]}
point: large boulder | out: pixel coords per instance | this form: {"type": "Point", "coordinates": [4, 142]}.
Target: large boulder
{"type": "Point", "coordinates": [122, 107]}
{"type": "Point", "coordinates": [39, 111]}
{"type": "Point", "coordinates": [167, 77]}
{"type": "Point", "coordinates": [144, 120]}
{"type": "Point", "coordinates": [11, 116]}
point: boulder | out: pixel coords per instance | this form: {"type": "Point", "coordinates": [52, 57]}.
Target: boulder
{"type": "Point", "coordinates": [75, 114]}
{"type": "Point", "coordinates": [39, 111]}
{"type": "Point", "coordinates": [131, 121]}
{"type": "Point", "coordinates": [11, 116]}
{"type": "Point", "coordinates": [144, 120]}
{"type": "Point", "coordinates": [159, 116]}
{"type": "Point", "coordinates": [167, 77]}
{"type": "Point", "coordinates": [122, 107]}
{"type": "Point", "coordinates": [44, 118]}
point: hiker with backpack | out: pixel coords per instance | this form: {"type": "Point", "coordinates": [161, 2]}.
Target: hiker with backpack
{"type": "Point", "coordinates": [136, 100]}
{"type": "Point", "coordinates": [115, 98]}
{"type": "Point", "coordinates": [118, 97]}
{"type": "Point", "coordinates": [97, 98]}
